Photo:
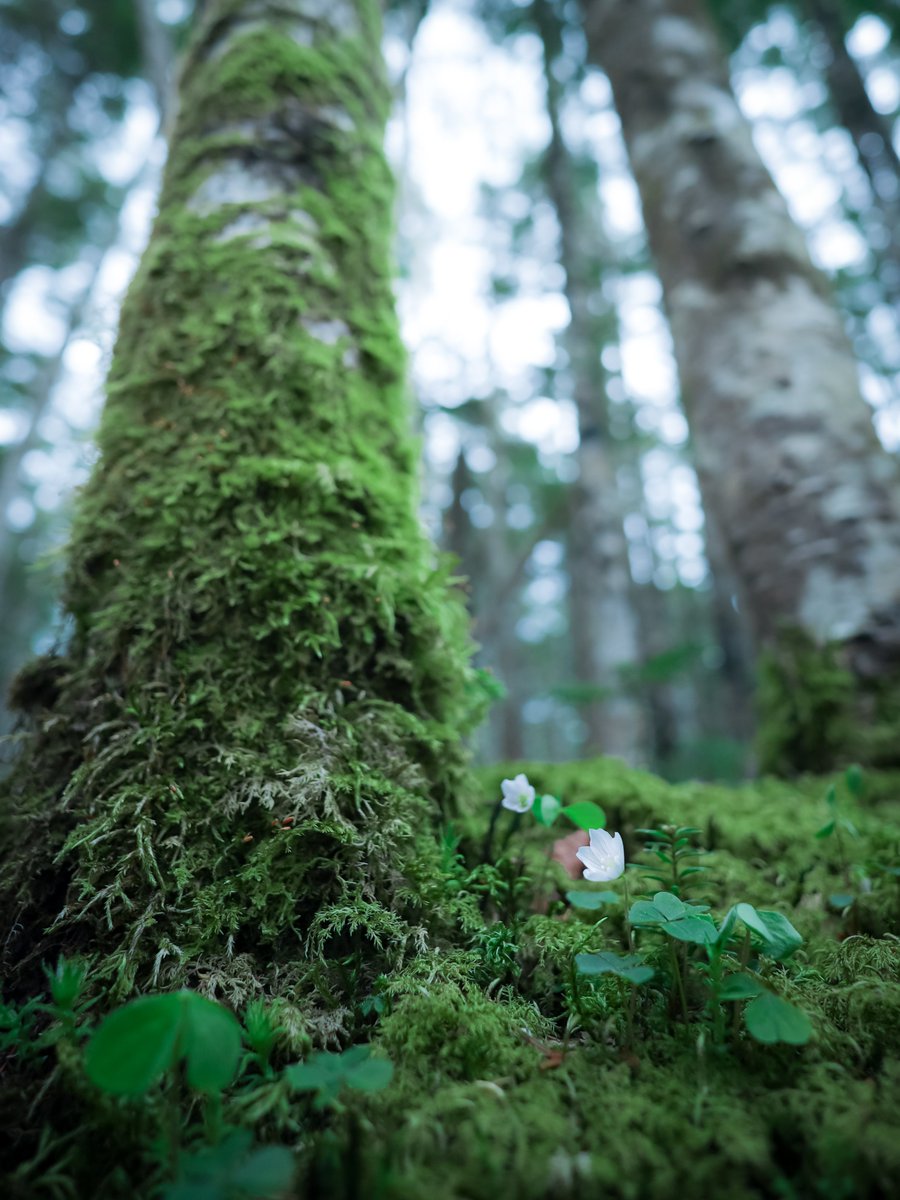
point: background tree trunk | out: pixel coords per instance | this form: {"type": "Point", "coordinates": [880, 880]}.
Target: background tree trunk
{"type": "Point", "coordinates": [259, 713]}
{"type": "Point", "coordinates": [871, 133]}
{"type": "Point", "coordinates": [604, 625]}
{"type": "Point", "coordinates": [786, 452]}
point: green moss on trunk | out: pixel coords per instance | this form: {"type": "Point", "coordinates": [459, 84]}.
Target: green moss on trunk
{"type": "Point", "coordinates": [257, 718]}
{"type": "Point", "coordinates": [816, 712]}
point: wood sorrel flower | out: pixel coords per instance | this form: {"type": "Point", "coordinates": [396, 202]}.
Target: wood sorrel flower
{"type": "Point", "coordinates": [518, 794]}
{"type": "Point", "coordinates": [604, 858]}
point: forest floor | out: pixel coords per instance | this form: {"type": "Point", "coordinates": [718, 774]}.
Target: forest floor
{"type": "Point", "coordinates": [727, 1032]}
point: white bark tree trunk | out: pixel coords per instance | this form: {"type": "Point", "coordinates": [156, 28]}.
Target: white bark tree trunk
{"type": "Point", "coordinates": [601, 611]}
{"type": "Point", "coordinates": [808, 501]}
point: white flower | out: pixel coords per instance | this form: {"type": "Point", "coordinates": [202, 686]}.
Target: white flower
{"type": "Point", "coordinates": [604, 858]}
{"type": "Point", "coordinates": [518, 794]}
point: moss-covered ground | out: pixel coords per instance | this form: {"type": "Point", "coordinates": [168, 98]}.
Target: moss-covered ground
{"type": "Point", "coordinates": [514, 1076]}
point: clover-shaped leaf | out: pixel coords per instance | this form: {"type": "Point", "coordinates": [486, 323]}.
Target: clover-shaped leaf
{"type": "Point", "coordinates": [740, 987]}
{"type": "Point", "coordinates": [626, 966]}
{"type": "Point", "coordinates": [686, 922]}
{"type": "Point", "coordinates": [141, 1040]}
{"type": "Point", "coordinates": [325, 1073]}
{"type": "Point", "coordinates": [591, 901]}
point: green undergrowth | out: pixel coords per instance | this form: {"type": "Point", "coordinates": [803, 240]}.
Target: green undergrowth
{"type": "Point", "coordinates": [499, 1070]}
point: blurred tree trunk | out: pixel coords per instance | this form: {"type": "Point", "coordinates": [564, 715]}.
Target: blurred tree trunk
{"type": "Point", "coordinates": [788, 460]}
{"type": "Point", "coordinates": [871, 133]}
{"type": "Point", "coordinates": [235, 766]}
{"type": "Point", "coordinates": [732, 637]}
{"type": "Point", "coordinates": [603, 620]}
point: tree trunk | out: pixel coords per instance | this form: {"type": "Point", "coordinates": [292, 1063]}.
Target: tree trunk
{"type": "Point", "coordinates": [786, 453]}
{"type": "Point", "coordinates": [236, 764]}
{"type": "Point", "coordinates": [604, 628]}
{"type": "Point", "coordinates": [871, 133]}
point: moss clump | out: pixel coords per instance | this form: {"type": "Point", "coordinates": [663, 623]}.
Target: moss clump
{"type": "Point", "coordinates": [816, 713]}
{"type": "Point", "coordinates": [515, 1077]}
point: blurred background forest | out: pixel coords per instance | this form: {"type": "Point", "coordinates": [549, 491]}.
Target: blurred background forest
{"type": "Point", "coordinates": [540, 356]}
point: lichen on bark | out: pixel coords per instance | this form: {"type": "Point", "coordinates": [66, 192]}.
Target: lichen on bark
{"type": "Point", "coordinates": [237, 760]}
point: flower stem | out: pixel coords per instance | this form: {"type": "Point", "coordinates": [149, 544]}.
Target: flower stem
{"type": "Point", "coordinates": [489, 836]}
{"type": "Point", "coordinates": [629, 932]}
{"type": "Point", "coordinates": [676, 969]}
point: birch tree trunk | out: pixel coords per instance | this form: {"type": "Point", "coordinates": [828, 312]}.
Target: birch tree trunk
{"type": "Point", "coordinates": [603, 620]}
{"type": "Point", "coordinates": [807, 500]}
{"type": "Point", "coordinates": [237, 763]}
{"type": "Point", "coordinates": [871, 133]}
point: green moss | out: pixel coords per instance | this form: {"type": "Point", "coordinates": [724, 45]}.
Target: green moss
{"type": "Point", "coordinates": [527, 1084]}
{"type": "Point", "coordinates": [816, 714]}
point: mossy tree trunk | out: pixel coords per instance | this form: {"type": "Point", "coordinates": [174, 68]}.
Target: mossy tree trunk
{"type": "Point", "coordinates": [238, 763]}
{"type": "Point", "coordinates": [807, 500]}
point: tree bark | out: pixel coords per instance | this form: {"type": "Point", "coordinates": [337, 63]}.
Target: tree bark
{"type": "Point", "coordinates": [604, 628]}
{"type": "Point", "coordinates": [786, 452]}
{"type": "Point", "coordinates": [236, 764]}
{"type": "Point", "coordinates": [871, 134]}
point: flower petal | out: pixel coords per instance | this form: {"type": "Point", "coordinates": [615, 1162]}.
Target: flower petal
{"type": "Point", "coordinates": [600, 840]}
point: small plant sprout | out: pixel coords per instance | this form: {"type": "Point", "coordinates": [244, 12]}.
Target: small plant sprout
{"type": "Point", "coordinates": [838, 826]}
{"type": "Point", "coordinates": [627, 968]}
{"type": "Point", "coordinates": [671, 845]}
{"type": "Point", "coordinates": [518, 794]}
{"type": "Point", "coordinates": [262, 1033]}
{"type": "Point", "coordinates": [604, 858]}
{"type": "Point", "coordinates": [67, 980]}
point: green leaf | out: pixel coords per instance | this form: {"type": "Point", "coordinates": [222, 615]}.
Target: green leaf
{"type": "Point", "coordinates": [701, 931]}
{"type": "Point", "coordinates": [326, 1073]}
{"type": "Point", "coordinates": [779, 937]}
{"type": "Point", "coordinates": [547, 809]}
{"type": "Point", "coordinates": [267, 1172]}
{"type": "Point", "coordinates": [831, 796]}
{"type": "Point", "coordinates": [727, 926]}
{"type": "Point", "coordinates": [686, 922]}
{"type": "Point", "coordinates": [211, 1042]}
{"type": "Point", "coordinates": [320, 1070]}
{"type": "Point", "coordinates": [740, 987]}
{"type": "Point", "coordinates": [770, 1019]}
{"type": "Point", "coordinates": [134, 1045]}
{"type": "Point", "coordinates": [841, 899]}
{"type": "Point", "coordinates": [586, 815]}
{"type": "Point", "coordinates": [371, 1076]}
{"type": "Point", "coordinates": [352, 1056]}
{"type": "Point", "coordinates": [642, 912]}
{"type": "Point", "coordinates": [826, 831]}
{"type": "Point", "coordinates": [670, 906]}
{"type": "Point", "coordinates": [626, 966]}
{"type": "Point", "coordinates": [231, 1169]}
{"type": "Point", "coordinates": [591, 900]}
{"type": "Point", "coordinates": [137, 1043]}
{"type": "Point", "coordinates": [855, 780]}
